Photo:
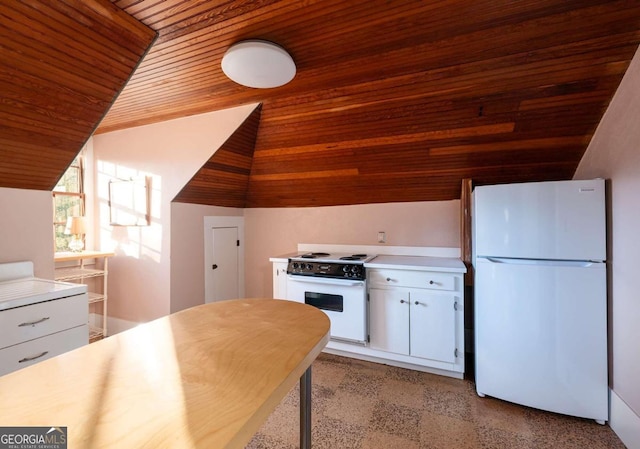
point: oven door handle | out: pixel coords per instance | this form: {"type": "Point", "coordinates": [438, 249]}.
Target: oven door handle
{"type": "Point", "coordinates": [319, 280]}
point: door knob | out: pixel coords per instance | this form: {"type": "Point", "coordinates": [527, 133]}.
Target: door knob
{"type": "Point", "coordinates": [214, 266]}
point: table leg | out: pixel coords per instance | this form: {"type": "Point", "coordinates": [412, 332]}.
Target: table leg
{"type": "Point", "coordinates": [305, 410]}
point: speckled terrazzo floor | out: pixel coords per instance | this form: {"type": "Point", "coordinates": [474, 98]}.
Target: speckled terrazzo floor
{"type": "Point", "coordinates": [361, 405]}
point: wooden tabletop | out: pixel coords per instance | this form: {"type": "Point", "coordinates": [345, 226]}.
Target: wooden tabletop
{"type": "Point", "coordinates": [206, 377]}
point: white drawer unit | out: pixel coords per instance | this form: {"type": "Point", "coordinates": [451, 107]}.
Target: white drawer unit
{"type": "Point", "coordinates": [31, 352]}
{"type": "Point", "coordinates": [39, 318]}
{"type": "Point", "coordinates": [408, 278]}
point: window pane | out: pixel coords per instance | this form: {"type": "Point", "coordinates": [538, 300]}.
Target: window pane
{"type": "Point", "coordinates": [66, 206]}
{"type": "Point", "coordinates": [70, 181]}
{"type": "Point", "coordinates": [62, 240]}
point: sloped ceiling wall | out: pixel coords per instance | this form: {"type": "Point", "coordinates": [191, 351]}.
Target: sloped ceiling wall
{"type": "Point", "coordinates": [62, 64]}
{"type": "Point", "coordinates": [224, 179]}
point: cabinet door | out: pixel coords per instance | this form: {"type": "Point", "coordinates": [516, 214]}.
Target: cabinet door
{"type": "Point", "coordinates": [280, 280]}
{"type": "Point", "coordinates": [432, 326]}
{"type": "Point", "coordinates": [389, 320]}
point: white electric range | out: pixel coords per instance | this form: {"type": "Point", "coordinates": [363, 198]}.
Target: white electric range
{"type": "Point", "coordinates": [336, 284]}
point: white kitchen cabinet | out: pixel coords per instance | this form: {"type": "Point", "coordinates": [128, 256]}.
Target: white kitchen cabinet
{"type": "Point", "coordinates": [389, 320]}
{"type": "Point", "coordinates": [432, 325]}
{"type": "Point", "coordinates": [417, 315]}
{"type": "Point", "coordinates": [413, 322]}
{"type": "Point", "coordinates": [428, 336]}
{"type": "Point", "coordinates": [279, 278]}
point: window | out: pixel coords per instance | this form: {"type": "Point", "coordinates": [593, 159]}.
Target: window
{"type": "Point", "coordinates": [68, 201]}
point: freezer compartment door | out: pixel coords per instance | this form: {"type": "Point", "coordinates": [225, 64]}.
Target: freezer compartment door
{"type": "Point", "coordinates": [541, 335]}
{"type": "Point", "coordinates": [542, 220]}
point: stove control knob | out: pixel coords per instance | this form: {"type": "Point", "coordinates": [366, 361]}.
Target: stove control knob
{"type": "Point", "coordinates": [295, 265]}
{"type": "Point", "coordinates": [309, 266]}
{"type": "Point", "coordinates": [354, 269]}
{"type": "Point", "coordinates": [345, 268]}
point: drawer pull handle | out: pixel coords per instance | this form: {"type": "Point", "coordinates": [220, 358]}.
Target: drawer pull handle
{"type": "Point", "coordinates": [28, 359]}
{"type": "Point", "coordinates": [402, 301]}
{"type": "Point", "coordinates": [389, 279]}
{"type": "Point", "coordinates": [33, 323]}
{"type": "Point", "coordinates": [431, 282]}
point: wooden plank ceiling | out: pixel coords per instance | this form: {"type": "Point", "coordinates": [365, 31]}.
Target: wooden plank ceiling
{"type": "Point", "coordinates": [393, 100]}
{"type": "Point", "coordinates": [62, 64]}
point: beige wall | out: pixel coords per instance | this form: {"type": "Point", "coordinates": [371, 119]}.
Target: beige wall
{"type": "Point", "coordinates": [614, 154]}
{"type": "Point", "coordinates": [26, 229]}
{"type": "Point", "coordinates": [187, 252]}
{"type": "Point", "coordinates": [169, 153]}
{"type": "Point", "coordinates": [272, 232]}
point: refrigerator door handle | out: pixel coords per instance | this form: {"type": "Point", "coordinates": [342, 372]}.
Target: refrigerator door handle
{"type": "Point", "coordinates": [563, 263]}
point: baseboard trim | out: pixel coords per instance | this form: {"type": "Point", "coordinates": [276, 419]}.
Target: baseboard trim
{"type": "Point", "coordinates": [624, 422]}
{"type": "Point", "coordinates": [398, 363]}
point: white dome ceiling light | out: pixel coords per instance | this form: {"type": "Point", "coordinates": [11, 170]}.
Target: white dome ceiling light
{"type": "Point", "coordinates": [258, 63]}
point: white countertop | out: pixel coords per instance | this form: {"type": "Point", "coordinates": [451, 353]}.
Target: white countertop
{"type": "Point", "coordinates": [26, 291]}
{"type": "Point", "coordinates": [423, 263]}
{"type": "Point", "coordinates": [284, 257]}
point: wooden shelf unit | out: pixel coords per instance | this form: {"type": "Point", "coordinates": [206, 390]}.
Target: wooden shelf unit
{"type": "Point", "coordinates": [82, 267]}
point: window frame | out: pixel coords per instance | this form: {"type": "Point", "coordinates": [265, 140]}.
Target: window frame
{"type": "Point", "coordinates": [60, 194]}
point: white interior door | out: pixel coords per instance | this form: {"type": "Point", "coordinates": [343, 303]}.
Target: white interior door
{"type": "Point", "coordinates": [224, 269]}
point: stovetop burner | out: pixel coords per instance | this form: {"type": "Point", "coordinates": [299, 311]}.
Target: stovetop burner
{"type": "Point", "coordinates": [334, 257]}
{"type": "Point", "coordinates": [334, 265]}
{"type": "Point", "coordinates": [355, 257]}
{"type": "Point", "coordinates": [314, 255]}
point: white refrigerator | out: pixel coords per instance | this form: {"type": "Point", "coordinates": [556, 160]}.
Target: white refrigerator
{"type": "Point", "coordinates": [541, 297]}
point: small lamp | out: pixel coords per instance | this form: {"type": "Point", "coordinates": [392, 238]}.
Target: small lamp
{"type": "Point", "coordinates": [77, 227]}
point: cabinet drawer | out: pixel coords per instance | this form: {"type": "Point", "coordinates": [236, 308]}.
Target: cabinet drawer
{"type": "Point", "coordinates": [37, 320]}
{"type": "Point", "coordinates": [407, 278]}
{"type": "Point", "coordinates": [34, 351]}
